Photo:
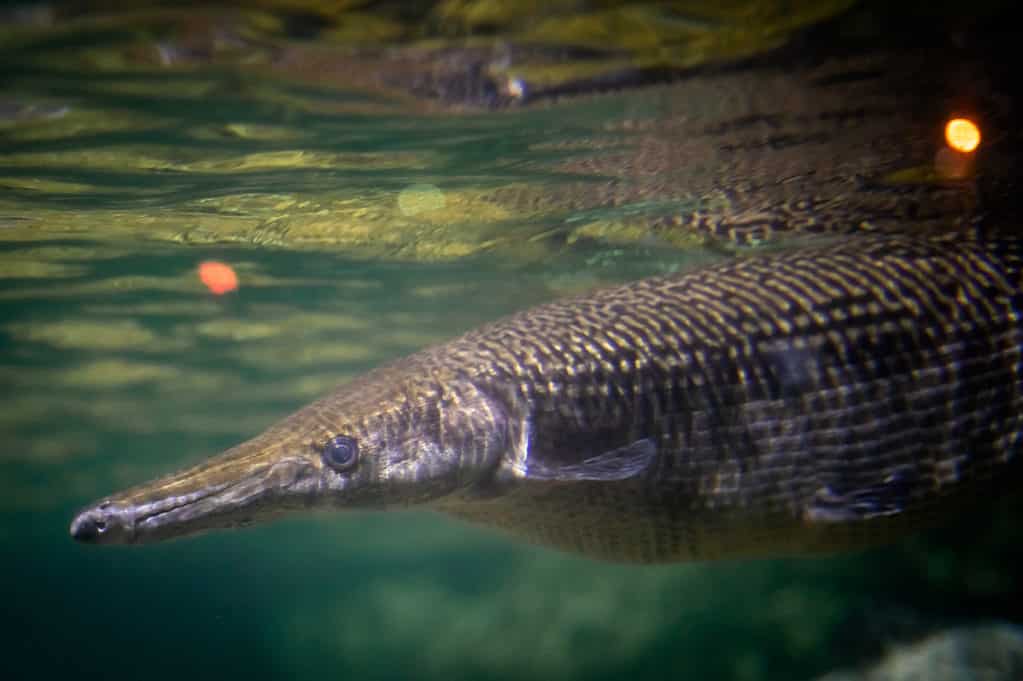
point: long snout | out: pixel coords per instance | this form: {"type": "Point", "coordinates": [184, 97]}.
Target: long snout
{"type": "Point", "coordinates": [243, 484]}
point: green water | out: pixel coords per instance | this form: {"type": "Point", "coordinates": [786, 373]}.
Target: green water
{"type": "Point", "coordinates": [361, 231]}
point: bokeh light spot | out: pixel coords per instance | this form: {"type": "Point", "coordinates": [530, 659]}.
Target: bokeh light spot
{"type": "Point", "coordinates": [218, 277]}
{"type": "Point", "coordinates": [420, 198]}
{"type": "Point", "coordinates": [962, 134]}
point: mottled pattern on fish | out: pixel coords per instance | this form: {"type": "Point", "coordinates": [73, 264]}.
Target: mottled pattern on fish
{"type": "Point", "coordinates": [814, 401]}
{"type": "Point", "coordinates": [822, 399]}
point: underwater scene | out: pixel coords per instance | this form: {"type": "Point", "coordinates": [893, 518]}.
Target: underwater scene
{"type": "Point", "coordinates": [214, 215]}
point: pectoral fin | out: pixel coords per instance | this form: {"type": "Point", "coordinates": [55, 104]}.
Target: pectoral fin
{"type": "Point", "coordinates": [886, 498]}
{"type": "Point", "coordinates": [615, 464]}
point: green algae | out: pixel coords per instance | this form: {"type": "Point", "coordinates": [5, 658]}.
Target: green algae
{"type": "Point", "coordinates": [126, 74]}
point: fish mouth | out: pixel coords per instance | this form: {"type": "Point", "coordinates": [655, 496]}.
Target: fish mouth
{"type": "Point", "coordinates": [191, 502]}
{"type": "Point", "coordinates": [121, 522]}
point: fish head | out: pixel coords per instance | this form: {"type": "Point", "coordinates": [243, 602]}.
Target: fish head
{"type": "Point", "coordinates": [393, 438]}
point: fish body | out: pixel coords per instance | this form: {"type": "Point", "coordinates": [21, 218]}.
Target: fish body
{"type": "Point", "coordinates": [817, 400]}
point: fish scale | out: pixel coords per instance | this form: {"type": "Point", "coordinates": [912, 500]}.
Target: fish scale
{"type": "Point", "coordinates": [765, 423]}
{"type": "Point", "coordinates": [817, 400]}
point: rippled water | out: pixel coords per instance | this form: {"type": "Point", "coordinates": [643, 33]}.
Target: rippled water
{"type": "Point", "coordinates": [362, 226]}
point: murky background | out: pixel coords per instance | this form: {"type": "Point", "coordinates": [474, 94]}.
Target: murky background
{"type": "Point", "coordinates": [374, 200]}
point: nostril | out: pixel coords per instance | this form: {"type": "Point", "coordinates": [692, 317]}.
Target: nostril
{"type": "Point", "coordinates": [105, 523]}
{"type": "Point", "coordinates": [89, 525]}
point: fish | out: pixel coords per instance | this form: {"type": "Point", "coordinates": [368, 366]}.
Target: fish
{"type": "Point", "coordinates": [827, 398]}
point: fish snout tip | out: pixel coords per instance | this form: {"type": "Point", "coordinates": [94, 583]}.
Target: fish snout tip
{"type": "Point", "coordinates": [104, 523]}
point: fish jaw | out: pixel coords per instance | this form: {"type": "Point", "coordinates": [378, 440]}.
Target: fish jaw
{"type": "Point", "coordinates": [240, 486]}
{"type": "Point", "coordinates": [418, 435]}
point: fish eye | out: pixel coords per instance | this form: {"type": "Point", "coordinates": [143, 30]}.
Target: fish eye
{"type": "Point", "coordinates": [341, 452]}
